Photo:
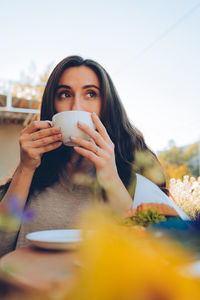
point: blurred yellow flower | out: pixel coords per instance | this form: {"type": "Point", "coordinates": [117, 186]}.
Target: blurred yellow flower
{"type": "Point", "coordinates": [120, 264]}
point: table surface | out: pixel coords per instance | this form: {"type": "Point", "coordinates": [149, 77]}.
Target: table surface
{"type": "Point", "coordinates": [31, 268]}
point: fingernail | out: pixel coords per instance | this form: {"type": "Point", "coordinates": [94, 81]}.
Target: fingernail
{"type": "Point", "coordinates": [80, 123]}
{"type": "Point", "coordinates": [72, 138]}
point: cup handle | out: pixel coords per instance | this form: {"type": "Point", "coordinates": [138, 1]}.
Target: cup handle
{"type": "Point", "coordinates": [49, 122]}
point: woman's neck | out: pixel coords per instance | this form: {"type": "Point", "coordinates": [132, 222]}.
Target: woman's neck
{"type": "Point", "coordinates": [74, 162]}
{"type": "Point", "coordinates": [74, 158]}
{"type": "Point", "coordinates": [78, 164]}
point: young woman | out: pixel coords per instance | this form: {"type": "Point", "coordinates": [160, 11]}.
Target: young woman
{"type": "Point", "coordinates": [43, 180]}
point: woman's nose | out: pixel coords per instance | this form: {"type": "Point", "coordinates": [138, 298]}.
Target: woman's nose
{"type": "Point", "coordinates": [76, 105]}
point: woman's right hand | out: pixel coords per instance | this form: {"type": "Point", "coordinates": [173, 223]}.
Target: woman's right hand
{"type": "Point", "coordinates": [37, 138]}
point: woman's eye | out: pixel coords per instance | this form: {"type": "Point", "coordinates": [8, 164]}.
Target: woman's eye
{"type": "Point", "coordinates": [91, 94]}
{"type": "Point", "coordinates": [63, 95]}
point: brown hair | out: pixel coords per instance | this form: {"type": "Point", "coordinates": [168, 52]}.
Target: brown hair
{"type": "Point", "coordinates": [125, 136]}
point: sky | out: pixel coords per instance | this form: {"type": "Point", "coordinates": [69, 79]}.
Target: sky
{"type": "Point", "coordinates": [151, 49]}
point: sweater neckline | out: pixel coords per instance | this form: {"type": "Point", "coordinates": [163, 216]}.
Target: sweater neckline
{"type": "Point", "coordinates": [72, 183]}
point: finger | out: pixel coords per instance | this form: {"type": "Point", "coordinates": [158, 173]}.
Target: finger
{"type": "Point", "coordinates": [36, 125]}
{"type": "Point", "coordinates": [49, 147]}
{"type": "Point", "coordinates": [93, 134]}
{"type": "Point", "coordinates": [47, 140]}
{"type": "Point", "coordinates": [44, 133]}
{"type": "Point", "coordinates": [90, 155]}
{"type": "Point", "coordinates": [100, 127]}
{"type": "Point", "coordinates": [89, 145]}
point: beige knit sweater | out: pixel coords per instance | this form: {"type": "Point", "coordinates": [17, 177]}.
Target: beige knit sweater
{"type": "Point", "coordinates": [56, 207]}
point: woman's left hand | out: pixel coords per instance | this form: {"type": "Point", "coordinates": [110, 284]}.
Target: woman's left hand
{"type": "Point", "coordinates": [100, 152]}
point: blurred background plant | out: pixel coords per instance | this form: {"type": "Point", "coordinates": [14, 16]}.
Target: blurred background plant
{"type": "Point", "coordinates": [31, 85]}
{"type": "Point", "coordinates": [144, 218]}
{"type": "Point", "coordinates": [186, 194]}
{"type": "Point", "coordinates": [180, 161]}
{"type": "Point", "coordinates": [15, 215]}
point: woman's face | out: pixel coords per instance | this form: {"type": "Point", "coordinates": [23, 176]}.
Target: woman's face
{"type": "Point", "coordinates": [78, 89]}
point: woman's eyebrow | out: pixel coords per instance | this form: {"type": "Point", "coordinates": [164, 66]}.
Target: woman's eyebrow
{"type": "Point", "coordinates": [68, 87]}
{"type": "Point", "coordinates": [91, 85]}
{"type": "Point", "coordinates": [63, 86]}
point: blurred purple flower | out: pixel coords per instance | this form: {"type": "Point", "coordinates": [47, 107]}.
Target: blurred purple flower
{"type": "Point", "coordinates": [15, 210]}
{"type": "Point", "coordinates": [28, 215]}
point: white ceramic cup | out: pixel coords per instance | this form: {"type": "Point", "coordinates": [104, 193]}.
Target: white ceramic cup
{"type": "Point", "coordinates": [67, 121]}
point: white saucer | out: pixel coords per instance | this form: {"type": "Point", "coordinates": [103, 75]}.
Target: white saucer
{"type": "Point", "coordinates": [65, 239]}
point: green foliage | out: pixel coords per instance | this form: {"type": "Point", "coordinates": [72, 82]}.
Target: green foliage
{"type": "Point", "coordinates": [144, 218]}
{"type": "Point", "coordinates": [191, 151]}
{"type": "Point", "coordinates": [174, 156]}
{"type": "Point", "coordinates": [191, 157]}
{"type": "Point", "coordinates": [178, 162]}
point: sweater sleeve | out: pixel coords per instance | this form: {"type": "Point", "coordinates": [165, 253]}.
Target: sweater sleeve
{"type": "Point", "coordinates": [7, 238]}
{"type": "Point", "coordinates": [7, 241]}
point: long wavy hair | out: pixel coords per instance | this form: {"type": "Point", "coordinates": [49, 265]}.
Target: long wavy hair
{"type": "Point", "coordinates": [126, 138]}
